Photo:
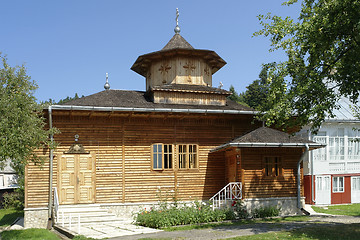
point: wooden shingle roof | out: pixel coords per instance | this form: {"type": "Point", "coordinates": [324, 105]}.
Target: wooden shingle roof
{"type": "Point", "coordinates": [177, 46]}
{"type": "Point", "coordinates": [177, 42]}
{"type": "Point", "coordinates": [139, 99]}
{"type": "Point", "coordinates": [268, 137]}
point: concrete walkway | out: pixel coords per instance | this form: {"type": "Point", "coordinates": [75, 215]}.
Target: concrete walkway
{"type": "Point", "coordinates": [109, 229]}
{"type": "Point", "coordinates": [223, 232]}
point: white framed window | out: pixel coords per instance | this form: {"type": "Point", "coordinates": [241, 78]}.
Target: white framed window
{"type": "Point", "coordinates": [338, 184]}
{"type": "Point", "coordinates": [162, 156]}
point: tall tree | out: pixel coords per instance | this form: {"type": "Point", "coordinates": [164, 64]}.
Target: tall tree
{"type": "Point", "coordinates": [61, 101]}
{"type": "Point", "coordinates": [237, 97]}
{"type": "Point", "coordinates": [21, 122]}
{"type": "Point", "coordinates": [323, 61]}
{"type": "Point", "coordinates": [257, 92]}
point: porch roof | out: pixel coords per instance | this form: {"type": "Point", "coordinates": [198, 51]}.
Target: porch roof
{"type": "Point", "coordinates": [268, 137]}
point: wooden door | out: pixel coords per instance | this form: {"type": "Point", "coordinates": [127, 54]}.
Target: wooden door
{"type": "Point", "coordinates": [232, 169]}
{"type": "Point", "coordinates": [76, 176]}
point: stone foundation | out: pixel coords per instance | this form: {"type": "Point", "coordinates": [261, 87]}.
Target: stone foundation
{"type": "Point", "coordinates": [128, 210]}
{"type": "Point", "coordinates": [35, 217]}
{"type": "Point", "coordinates": [287, 205]}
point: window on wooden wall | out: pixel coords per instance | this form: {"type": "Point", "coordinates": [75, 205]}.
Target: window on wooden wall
{"type": "Point", "coordinates": [162, 156]}
{"type": "Point", "coordinates": [187, 156]}
{"type": "Point", "coordinates": [272, 166]}
{"type": "Point", "coordinates": [338, 184]}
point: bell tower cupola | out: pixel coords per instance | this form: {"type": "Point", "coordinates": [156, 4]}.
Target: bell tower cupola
{"type": "Point", "coordinates": [181, 74]}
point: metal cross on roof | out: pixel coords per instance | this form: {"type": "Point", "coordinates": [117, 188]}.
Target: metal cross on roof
{"type": "Point", "coordinates": [177, 28]}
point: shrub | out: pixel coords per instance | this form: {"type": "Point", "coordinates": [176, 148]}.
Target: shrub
{"type": "Point", "coordinates": [14, 200]}
{"type": "Point", "coordinates": [181, 214]}
{"type": "Point", "coordinates": [239, 208]}
{"type": "Point", "coordinates": [263, 212]}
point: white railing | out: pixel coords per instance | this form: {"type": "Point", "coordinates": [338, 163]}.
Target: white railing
{"type": "Point", "coordinates": [71, 220]}
{"type": "Point", "coordinates": [231, 191]}
{"type": "Point", "coordinates": [56, 202]}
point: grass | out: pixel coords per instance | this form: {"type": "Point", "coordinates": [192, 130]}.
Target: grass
{"type": "Point", "coordinates": [82, 237]}
{"type": "Point", "coordinates": [350, 210]}
{"type": "Point", "coordinates": [8, 216]}
{"type": "Point", "coordinates": [236, 223]}
{"type": "Point", "coordinates": [30, 234]}
{"type": "Point", "coordinates": [334, 232]}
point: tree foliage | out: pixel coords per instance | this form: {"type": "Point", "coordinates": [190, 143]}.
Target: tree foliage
{"type": "Point", "coordinates": [235, 96]}
{"type": "Point", "coordinates": [322, 64]}
{"type": "Point", "coordinates": [61, 101]}
{"type": "Point", "coordinates": [21, 121]}
{"type": "Point", "coordinates": [256, 94]}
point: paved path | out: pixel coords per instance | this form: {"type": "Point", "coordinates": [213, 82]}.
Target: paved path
{"type": "Point", "coordinates": [223, 232]}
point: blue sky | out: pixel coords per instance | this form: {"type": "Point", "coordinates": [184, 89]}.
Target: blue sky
{"type": "Point", "coordinates": [68, 46]}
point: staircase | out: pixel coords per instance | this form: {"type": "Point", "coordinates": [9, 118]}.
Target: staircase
{"type": "Point", "coordinates": [76, 217]}
{"type": "Point", "coordinates": [226, 195]}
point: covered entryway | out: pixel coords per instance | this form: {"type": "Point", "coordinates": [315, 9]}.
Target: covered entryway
{"type": "Point", "coordinates": [355, 189]}
{"type": "Point", "coordinates": [76, 177]}
{"type": "Point", "coordinates": [323, 189]}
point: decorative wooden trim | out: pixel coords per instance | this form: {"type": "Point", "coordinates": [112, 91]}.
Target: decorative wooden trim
{"type": "Point", "coordinates": [26, 185]}
{"type": "Point", "coordinates": [123, 161]}
{"type": "Point", "coordinates": [76, 148]}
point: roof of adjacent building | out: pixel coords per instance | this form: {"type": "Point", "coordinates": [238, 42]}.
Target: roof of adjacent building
{"type": "Point", "coordinates": [139, 99]}
{"type": "Point", "coordinates": [268, 137]}
{"type": "Point", "coordinates": [344, 112]}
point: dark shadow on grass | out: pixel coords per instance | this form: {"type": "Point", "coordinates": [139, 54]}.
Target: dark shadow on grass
{"type": "Point", "coordinates": [297, 228]}
{"type": "Point", "coordinates": [331, 231]}
{"type": "Point", "coordinates": [9, 218]}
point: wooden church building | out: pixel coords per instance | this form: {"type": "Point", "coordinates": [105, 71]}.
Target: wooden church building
{"type": "Point", "coordinates": [181, 137]}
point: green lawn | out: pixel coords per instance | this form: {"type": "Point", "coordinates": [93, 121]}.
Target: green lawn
{"type": "Point", "coordinates": [334, 232]}
{"type": "Point", "coordinates": [31, 234]}
{"type": "Point", "coordinates": [8, 216]}
{"type": "Point", "coordinates": [350, 210]}
{"type": "Point", "coordinates": [240, 222]}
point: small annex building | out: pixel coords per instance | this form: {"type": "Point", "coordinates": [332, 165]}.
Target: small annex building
{"type": "Point", "coordinates": [182, 136]}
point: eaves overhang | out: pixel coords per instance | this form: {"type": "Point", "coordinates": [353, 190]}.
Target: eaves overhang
{"type": "Point", "coordinates": [143, 62]}
{"type": "Point", "coordinates": [170, 110]}
{"type": "Point", "coordinates": [267, 145]}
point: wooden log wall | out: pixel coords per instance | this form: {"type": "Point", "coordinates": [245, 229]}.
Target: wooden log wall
{"type": "Point", "coordinates": [179, 70]}
{"type": "Point", "coordinates": [256, 185]}
{"type": "Point", "coordinates": [122, 145]}
{"type": "Point", "coordinates": [189, 98]}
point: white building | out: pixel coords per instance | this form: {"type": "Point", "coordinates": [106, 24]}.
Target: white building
{"type": "Point", "coordinates": [336, 168]}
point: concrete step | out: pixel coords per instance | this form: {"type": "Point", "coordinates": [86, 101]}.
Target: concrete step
{"type": "Point", "coordinates": [88, 214]}
{"type": "Point", "coordinates": [89, 219]}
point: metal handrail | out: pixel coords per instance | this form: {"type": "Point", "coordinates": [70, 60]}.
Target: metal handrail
{"type": "Point", "coordinates": [231, 191]}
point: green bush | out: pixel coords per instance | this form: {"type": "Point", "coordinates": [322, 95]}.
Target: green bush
{"type": "Point", "coordinates": [172, 215]}
{"type": "Point", "coordinates": [264, 212]}
{"type": "Point", "coordinates": [13, 200]}
{"type": "Point", "coordinates": [239, 208]}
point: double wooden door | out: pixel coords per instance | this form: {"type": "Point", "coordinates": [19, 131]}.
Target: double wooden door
{"type": "Point", "coordinates": [76, 178]}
